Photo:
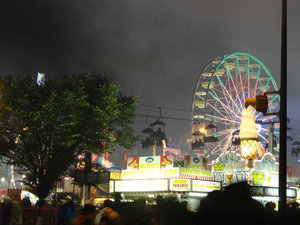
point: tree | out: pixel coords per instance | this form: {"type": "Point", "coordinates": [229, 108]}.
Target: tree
{"type": "Point", "coordinates": [44, 128]}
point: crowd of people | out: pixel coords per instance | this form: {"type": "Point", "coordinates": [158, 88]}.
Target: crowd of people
{"type": "Point", "coordinates": [234, 205]}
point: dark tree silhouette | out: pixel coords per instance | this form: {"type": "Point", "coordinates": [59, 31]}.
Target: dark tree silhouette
{"type": "Point", "coordinates": [44, 128]}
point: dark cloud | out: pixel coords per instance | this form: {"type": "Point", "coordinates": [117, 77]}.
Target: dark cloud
{"type": "Point", "coordinates": [154, 49]}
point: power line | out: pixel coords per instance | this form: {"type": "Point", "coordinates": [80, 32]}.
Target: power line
{"type": "Point", "coordinates": [163, 117]}
{"type": "Point", "coordinates": [294, 119]}
{"type": "Point", "coordinates": [165, 108]}
{"type": "Point", "coordinates": [183, 110]}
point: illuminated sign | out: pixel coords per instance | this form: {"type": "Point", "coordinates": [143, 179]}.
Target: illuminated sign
{"type": "Point", "coordinates": [229, 168]}
{"type": "Point", "coordinates": [150, 162]}
{"type": "Point", "coordinates": [180, 185]}
{"type": "Point", "coordinates": [205, 186]}
{"type": "Point", "coordinates": [195, 174]}
{"type": "Point", "coordinates": [258, 178]}
{"type": "Point", "coordinates": [115, 176]}
{"type": "Point", "coordinates": [141, 185]}
{"type": "Point", "coordinates": [195, 162]}
{"type": "Point", "coordinates": [150, 173]}
{"type": "Point", "coordinates": [265, 171]}
{"type": "Point", "coordinates": [274, 191]}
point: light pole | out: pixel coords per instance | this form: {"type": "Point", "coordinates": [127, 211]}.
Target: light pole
{"type": "Point", "coordinates": [283, 115]}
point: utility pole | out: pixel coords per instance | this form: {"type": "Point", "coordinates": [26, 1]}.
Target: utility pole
{"type": "Point", "coordinates": [270, 137]}
{"type": "Point", "coordinates": [283, 115]}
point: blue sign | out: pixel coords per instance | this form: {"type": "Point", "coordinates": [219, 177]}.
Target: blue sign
{"type": "Point", "coordinates": [149, 160]}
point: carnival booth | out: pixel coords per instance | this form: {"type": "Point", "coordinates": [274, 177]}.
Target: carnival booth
{"type": "Point", "coordinates": [262, 175]}
{"type": "Point", "coordinates": [152, 176]}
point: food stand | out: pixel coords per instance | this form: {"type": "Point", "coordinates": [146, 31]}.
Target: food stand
{"type": "Point", "coordinates": [230, 167]}
{"type": "Point", "coordinates": [152, 176]}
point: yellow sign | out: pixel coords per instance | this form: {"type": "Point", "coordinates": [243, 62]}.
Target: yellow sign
{"type": "Point", "coordinates": [115, 176]}
{"type": "Point", "coordinates": [205, 186]}
{"type": "Point", "coordinates": [150, 173]}
{"type": "Point", "coordinates": [258, 178]}
{"type": "Point", "coordinates": [219, 166]}
{"type": "Point", "coordinates": [150, 166]}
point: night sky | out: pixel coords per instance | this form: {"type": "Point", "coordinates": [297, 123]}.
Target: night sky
{"type": "Point", "coordinates": [154, 49]}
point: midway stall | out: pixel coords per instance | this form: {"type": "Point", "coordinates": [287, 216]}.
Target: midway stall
{"type": "Point", "coordinates": [261, 174]}
{"type": "Point", "coordinates": [154, 176]}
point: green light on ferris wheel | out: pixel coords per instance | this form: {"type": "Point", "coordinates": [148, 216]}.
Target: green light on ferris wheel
{"type": "Point", "coordinates": [274, 98]}
{"type": "Point", "coordinates": [238, 64]}
{"type": "Point", "coordinates": [256, 60]}
{"type": "Point", "coordinates": [211, 116]}
{"type": "Point", "coordinates": [258, 72]}
{"type": "Point", "coordinates": [267, 83]}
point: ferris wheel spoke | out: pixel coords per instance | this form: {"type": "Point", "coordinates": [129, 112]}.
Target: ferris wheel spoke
{"type": "Point", "coordinates": [243, 92]}
{"type": "Point", "coordinates": [273, 99]}
{"type": "Point", "coordinates": [238, 63]}
{"type": "Point", "coordinates": [224, 105]}
{"type": "Point", "coordinates": [266, 85]}
{"type": "Point", "coordinates": [268, 118]}
{"type": "Point", "coordinates": [233, 83]}
{"type": "Point", "coordinates": [224, 132]}
{"type": "Point", "coordinates": [227, 144]}
{"type": "Point", "coordinates": [220, 146]}
{"type": "Point", "coordinates": [229, 88]}
{"type": "Point", "coordinates": [217, 117]}
{"type": "Point", "coordinates": [244, 79]}
{"type": "Point", "coordinates": [228, 113]}
{"type": "Point", "coordinates": [218, 112]}
{"type": "Point", "coordinates": [216, 150]}
{"type": "Point", "coordinates": [222, 86]}
{"type": "Point", "coordinates": [249, 92]}
{"type": "Point", "coordinates": [265, 139]}
{"type": "Point", "coordinates": [256, 82]}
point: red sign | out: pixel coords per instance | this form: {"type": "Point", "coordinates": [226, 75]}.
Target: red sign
{"type": "Point", "coordinates": [290, 171]}
{"type": "Point", "coordinates": [124, 156]}
{"type": "Point", "coordinates": [106, 156]}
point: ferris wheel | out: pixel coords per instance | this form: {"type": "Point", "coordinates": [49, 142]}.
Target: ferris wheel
{"type": "Point", "coordinates": [219, 98]}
